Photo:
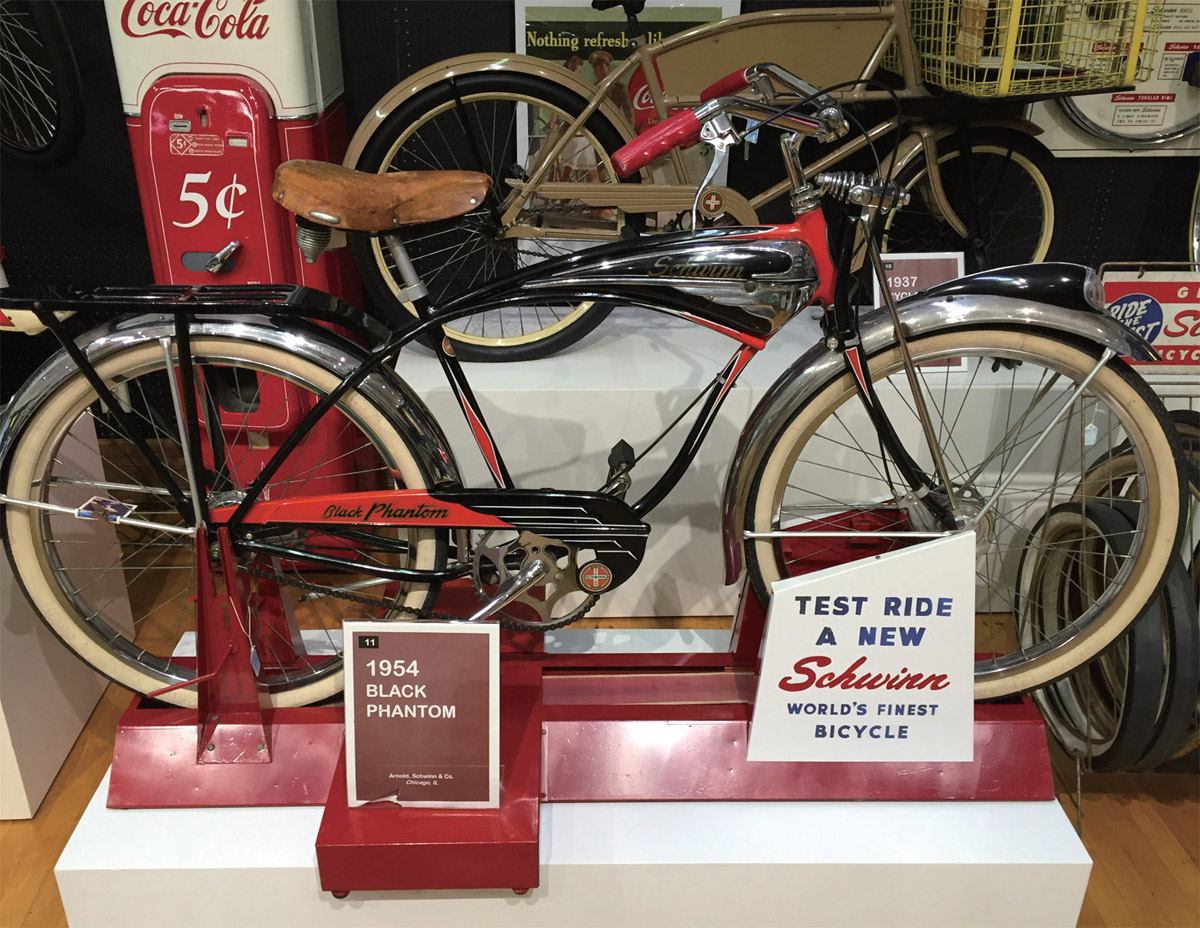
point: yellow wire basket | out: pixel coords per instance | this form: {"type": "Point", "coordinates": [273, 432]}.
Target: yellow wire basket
{"type": "Point", "coordinates": [997, 48]}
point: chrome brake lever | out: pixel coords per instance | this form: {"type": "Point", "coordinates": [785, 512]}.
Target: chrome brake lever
{"type": "Point", "coordinates": [720, 133]}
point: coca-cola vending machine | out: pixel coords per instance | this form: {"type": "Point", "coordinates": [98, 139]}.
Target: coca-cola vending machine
{"type": "Point", "coordinates": [217, 93]}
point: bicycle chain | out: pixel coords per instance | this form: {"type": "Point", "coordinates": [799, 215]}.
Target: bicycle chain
{"type": "Point", "coordinates": [426, 614]}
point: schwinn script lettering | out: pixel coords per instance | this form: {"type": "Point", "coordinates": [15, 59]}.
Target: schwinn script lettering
{"type": "Point", "coordinates": [202, 19]}
{"type": "Point", "coordinates": [384, 511]}
{"type": "Point", "coordinates": [664, 268]}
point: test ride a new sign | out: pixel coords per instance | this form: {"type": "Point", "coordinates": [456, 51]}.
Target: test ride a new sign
{"type": "Point", "coordinates": [422, 714]}
{"type": "Point", "coordinates": [872, 660]}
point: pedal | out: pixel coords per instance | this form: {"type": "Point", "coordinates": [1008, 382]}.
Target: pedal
{"type": "Point", "coordinates": [620, 462]}
{"type": "Point", "coordinates": [511, 588]}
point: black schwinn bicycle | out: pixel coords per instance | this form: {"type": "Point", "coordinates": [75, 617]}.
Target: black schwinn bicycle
{"type": "Point", "coordinates": [226, 424]}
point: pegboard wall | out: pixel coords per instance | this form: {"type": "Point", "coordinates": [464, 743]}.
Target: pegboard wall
{"type": "Point", "coordinates": [81, 223]}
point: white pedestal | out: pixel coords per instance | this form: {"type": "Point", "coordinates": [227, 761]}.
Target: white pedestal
{"type": "Point", "coordinates": [606, 864]}
{"type": "Point", "coordinates": [46, 692]}
{"type": "Point", "coordinates": [46, 696]}
{"type": "Point", "coordinates": [556, 419]}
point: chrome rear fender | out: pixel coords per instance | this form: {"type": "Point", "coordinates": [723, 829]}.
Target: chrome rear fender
{"type": "Point", "coordinates": [922, 315]}
{"type": "Point", "coordinates": [395, 400]}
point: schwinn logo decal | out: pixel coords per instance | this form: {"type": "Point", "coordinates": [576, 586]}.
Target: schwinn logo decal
{"type": "Point", "coordinates": [664, 268]}
{"type": "Point", "coordinates": [201, 19]}
{"type": "Point", "coordinates": [384, 511]}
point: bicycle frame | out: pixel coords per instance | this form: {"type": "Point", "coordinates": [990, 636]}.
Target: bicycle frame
{"type": "Point", "coordinates": [694, 51]}
{"type": "Point", "coordinates": [691, 58]}
{"type": "Point", "coordinates": [788, 266]}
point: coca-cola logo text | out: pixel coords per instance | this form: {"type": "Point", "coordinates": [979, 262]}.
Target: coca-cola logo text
{"type": "Point", "coordinates": [201, 19]}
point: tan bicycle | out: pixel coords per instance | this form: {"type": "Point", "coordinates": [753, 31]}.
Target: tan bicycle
{"type": "Point", "coordinates": [981, 183]}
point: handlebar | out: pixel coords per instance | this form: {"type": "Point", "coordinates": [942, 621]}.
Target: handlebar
{"type": "Point", "coordinates": [727, 86]}
{"type": "Point", "coordinates": [683, 128]}
{"type": "Point", "coordinates": [675, 131]}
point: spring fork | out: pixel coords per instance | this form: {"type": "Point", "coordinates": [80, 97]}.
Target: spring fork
{"type": "Point", "coordinates": [910, 371]}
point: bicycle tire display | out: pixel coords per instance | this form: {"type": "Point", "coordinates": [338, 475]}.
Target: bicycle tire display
{"type": "Point", "coordinates": [72, 449]}
{"type": "Point", "coordinates": [1177, 730]}
{"type": "Point", "coordinates": [991, 393]}
{"type": "Point", "coordinates": [1006, 184]}
{"type": "Point", "coordinates": [1130, 708]}
{"type": "Point", "coordinates": [472, 124]}
{"type": "Point", "coordinates": [39, 84]}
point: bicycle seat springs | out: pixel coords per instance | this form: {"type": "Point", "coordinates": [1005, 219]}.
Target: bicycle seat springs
{"type": "Point", "coordinates": [869, 190]}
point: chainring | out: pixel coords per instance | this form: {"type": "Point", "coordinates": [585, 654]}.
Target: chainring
{"type": "Point", "coordinates": [493, 564]}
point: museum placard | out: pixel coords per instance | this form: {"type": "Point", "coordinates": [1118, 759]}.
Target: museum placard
{"type": "Point", "coordinates": [872, 660]}
{"type": "Point", "coordinates": [422, 714]}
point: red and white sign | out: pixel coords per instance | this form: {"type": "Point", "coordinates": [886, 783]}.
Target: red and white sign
{"type": "Point", "coordinates": [423, 714]}
{"type": "Point", "coordinates": [1164, 308]}
{"type": "Point", "coordinates": [290, 47]}
{"type": "Point", "coordinates": [872, 660]}
{"type": "Point", "coordinates": [206, 19]}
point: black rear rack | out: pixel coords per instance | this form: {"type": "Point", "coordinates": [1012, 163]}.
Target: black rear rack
{"type": "Point", "coordinates": [232, 299]}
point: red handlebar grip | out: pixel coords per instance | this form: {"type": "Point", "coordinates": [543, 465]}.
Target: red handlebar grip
{"type": "Point", "coordinates": [680, 129]}
{"type": "Point", "coordinates": [726, 86]}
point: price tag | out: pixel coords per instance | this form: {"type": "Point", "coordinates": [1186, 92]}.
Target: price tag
{"type": "Point", "coordinates": [423, 714]}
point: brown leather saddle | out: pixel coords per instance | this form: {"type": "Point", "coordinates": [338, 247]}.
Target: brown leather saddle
{"type": "Point", "coordinates": [343, 198]}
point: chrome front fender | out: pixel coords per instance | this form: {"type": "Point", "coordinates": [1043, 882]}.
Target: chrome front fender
{"type": "Point", "coordinates": [397, 401]}
{"type": "Point", "coordinates": [936, 312]}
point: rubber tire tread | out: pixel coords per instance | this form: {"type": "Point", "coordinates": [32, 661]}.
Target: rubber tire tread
{"type": "Point", "coordinates": [1144, 676]}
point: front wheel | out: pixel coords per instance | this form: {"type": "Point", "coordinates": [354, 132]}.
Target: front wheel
{"type": "Point", "coordinates": [1000, 186]}
{"type": "Point", "coordinates": [991, 393]}
{"type": "Point", "coordinates": [122, 596]}
{"type": "Point", "coordinates": [497, 124]}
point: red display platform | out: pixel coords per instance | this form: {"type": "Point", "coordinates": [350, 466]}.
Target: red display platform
{"type": "Point", "coordinates": [155, 766]}
{"type": "Point", "coordinates": [618, 737]}
{"type": "Point", "coordinates": [574, 728]}
{"type": "Point", "coordinates": [573, 733]}
{"type": "Point", "coordinates": [386, 847]}
{"type": "Point", "coordinates": [233, 750]}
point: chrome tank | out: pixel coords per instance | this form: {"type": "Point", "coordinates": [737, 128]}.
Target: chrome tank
{"type": "Point", "coordinates": [722, 276]}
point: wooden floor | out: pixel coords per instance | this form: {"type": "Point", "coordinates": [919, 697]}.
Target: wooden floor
{"type": "Point", "coordinates": [1142, 831]}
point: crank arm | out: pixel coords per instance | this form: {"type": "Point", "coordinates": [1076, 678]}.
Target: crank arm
{"type": "Point", "coordinates": [511, 588]}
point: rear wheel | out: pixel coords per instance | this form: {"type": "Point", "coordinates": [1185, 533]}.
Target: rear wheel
{"type": "Point", "coordinates": [991, 393]}
{"type": "Point", "coordinates": [121, 595]}
{"type": "Point", "coordinates": [1003, 186]}
{"type": "Point", "coordinates": [496, 124]}
{"type": "Point", "coordinates": [39, 84]}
